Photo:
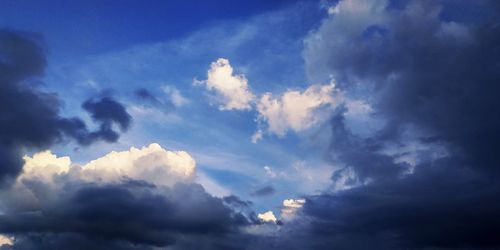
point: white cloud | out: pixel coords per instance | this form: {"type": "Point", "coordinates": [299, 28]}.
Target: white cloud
{"type": "Point", "coordinates": [44, 165]}
{"type": "Point", "coordinates": [152, 164]}
{"type": "Point", "coordinates": [267, 217]}
{"type": "Point", "coordinates": [257, 136]}
{"type": "Point", "coordinates": [295, 110]}
{"type": "Point", "coordinates": [232, 90]}
{"type": "Point", "coordinates": [6, 240]}
{"type": "Point", "coordinates": [175, 96]}
{"type": "Point", "coordinates": [291, 207]}
{"type": "Point", "coordinates": [45, 175]}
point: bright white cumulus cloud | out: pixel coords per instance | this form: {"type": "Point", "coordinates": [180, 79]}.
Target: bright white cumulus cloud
{"type": "Point", "coordinates": [297, 110]}
{"type": "Point", "coordinates": [45, 176]}
{"type": "Point", "coordinates": [232, 91]}
{"type": "Point", "coordinates": [6, 241]}
{"type": "Point", "coordinates": [289, 211]}
{"type": "Point", "coordinates": [267, 217]}
{"type": "Point", "coordinates": [152, 164]}
{"type": "Point", "coordinates": [293, 110]}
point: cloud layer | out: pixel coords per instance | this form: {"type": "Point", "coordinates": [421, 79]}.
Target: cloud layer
{"type": "Point", "coordinates": [140, 197]}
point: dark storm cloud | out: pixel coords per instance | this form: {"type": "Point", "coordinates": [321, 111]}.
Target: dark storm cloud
{"type": "Point", "coordinates": [267, 190]}
{"type": "Point", "coordinates": [30, 118]}
{"type": "Point", "coordinates": [129, 213]}
{"type": "Point", "coordinates": [438, 81]}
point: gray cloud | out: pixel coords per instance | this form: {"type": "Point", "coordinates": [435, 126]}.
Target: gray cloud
{"type": "Point", "coordinates": [434, 80]}
{"type": "Point", "coordinates": [30, 118]}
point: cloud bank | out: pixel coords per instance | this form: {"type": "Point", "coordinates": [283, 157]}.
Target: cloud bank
{"type": "Point", "coordinates": [131, 199]}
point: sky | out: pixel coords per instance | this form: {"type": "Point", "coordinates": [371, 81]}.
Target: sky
{"type": "Point", "coordinates": [350, 124]}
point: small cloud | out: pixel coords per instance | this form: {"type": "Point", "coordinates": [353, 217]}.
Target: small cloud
{"type": "Point", "coordinates": [264, 191]}
{"type": "Point", "coordinates": [296, 110]}
{"type": "Point", "coordinates": [175, 96]}
{"type": "Point", "coordinates": [231, 90]}
{"type": "Point", "coordinates": [291, 207]}
{"type": "Point", "coordinates": [6, 241]}
{"type": "Point", "coordinates": [269, 172]}
{"type": "Point", "coordinates": [257, 136]}
{"type": "Point", "coordinates": [267, 217]}
{"type": "Point", "coordinates": [144, 94]}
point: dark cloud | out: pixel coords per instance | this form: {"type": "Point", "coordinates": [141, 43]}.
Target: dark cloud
{"type": "Point", "coordinates": [151, 100]}
{"type": "Point", "coordinates": [30, 118]}
{"type": "Point", "coordinates": [267, 190]}
{"type": "Point", "coordinates": [108, 111]}
{"type": "Point", "coordinates": [128, 214]}
{"type": "Point", "coordinates": [144, 94]}
{"type": "Point", "coordinates": [435, 82]}
{"type": "Point", "coordinates": [235, 201]}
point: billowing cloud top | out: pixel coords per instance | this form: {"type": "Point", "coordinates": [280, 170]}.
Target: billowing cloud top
{"type": "Point", "coordinates": [152, 164]}
{"type": "Point", "coordinates": [140, 196]}
{"type": "Point", "coordinates": [232, 90]}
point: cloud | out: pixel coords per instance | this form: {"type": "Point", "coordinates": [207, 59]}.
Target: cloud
{"type": "Point", "coordinates": [291, 207]}
{"type": "Point", "coordinates": [431, 90]}
{"type": "Point", "coordinates": [270, 172]}
{"type": "Point", "coordinates": [145, 94]}
{"type": "Point", "coordinates": [267, 190]}
{"type": "Point", "coordinates": [177, 99]}
{"type": "Point", "coordinates": [143, 197]}
{"type": "Point", "coordinates": [174, 98]}
{"type": "Point", "coordinates": [267, 217]}
{"type": "Point", "coordinates": [232, 90]}
{"type": "Point", "coordinates": [5, 241]}
{"type": "Point", "coordinates": [295, 110]}
{"type": "Point", "coordinates": [107, 111]}
{"type": "Point", "coordinates": [30, 118]}
{"type": "Point", "coordinates": [151, 164]}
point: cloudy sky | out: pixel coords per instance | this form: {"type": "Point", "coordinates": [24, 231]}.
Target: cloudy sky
{"type": "Point", "coordinates": [351, 124]}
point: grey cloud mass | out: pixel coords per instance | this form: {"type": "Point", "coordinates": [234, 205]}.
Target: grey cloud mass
{"type": "Point", "coordinates": [30, 118]}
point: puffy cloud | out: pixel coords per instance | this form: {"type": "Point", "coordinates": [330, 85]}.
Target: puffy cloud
{"type": "Point", "coordinates": [267, 217]}
{"type": "Point", "coordinates": [232, 90]}
{"type": "Point", "coordinates": [140, 197]}
{"type": "Point", "coordinates": [152, 164]}
{"type": "Point", "coordinates": [6, 241]}
{"type": "Point", "coordinates": [295, 110]}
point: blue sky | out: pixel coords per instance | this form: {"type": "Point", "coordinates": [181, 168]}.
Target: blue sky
{"type": "Point", "coordinates": [105, 47]}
